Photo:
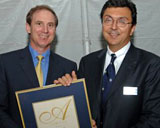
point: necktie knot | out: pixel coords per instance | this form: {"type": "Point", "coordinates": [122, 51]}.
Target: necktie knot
{"type": "Point", "coordinates": [113, 57]}
{"type": "Point", "coordinates": [111, 64]}
{"type": "Point", "coordinates": [39, 57]}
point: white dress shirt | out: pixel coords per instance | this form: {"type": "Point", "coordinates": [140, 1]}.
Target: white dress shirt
{"type": "Point", "coordinates": [120, 54]}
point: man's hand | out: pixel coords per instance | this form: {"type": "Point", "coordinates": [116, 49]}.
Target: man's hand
{"type": "Point", "coordinates": [67, 79]}
{"type": "Point", "coordinates": [94, 124]}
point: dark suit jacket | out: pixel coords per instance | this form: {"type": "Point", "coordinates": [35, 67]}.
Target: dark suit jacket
{"type": "Point", "coordinates": [17, 72]}
{"type": "Point", "coordinates": [139, 69]}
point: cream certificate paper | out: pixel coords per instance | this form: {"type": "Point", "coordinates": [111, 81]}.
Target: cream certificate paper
{"type": "Point", "coordinates": [56, 113]}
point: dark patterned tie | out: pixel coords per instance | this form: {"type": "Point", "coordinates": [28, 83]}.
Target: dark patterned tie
{"type": "Point", "coordinates": [108, 77]}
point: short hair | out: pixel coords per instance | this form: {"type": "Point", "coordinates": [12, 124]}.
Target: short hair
{"type": "Point", "coordinates": [121, 3]}
{"type": "Point", "coordinates": [37, 8]}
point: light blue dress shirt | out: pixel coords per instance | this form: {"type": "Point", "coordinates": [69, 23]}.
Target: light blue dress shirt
{"type": "Point", "coordinates": [44, 63]}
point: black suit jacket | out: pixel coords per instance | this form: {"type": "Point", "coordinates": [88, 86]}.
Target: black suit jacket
{"type": "Point", "coordinates": [139, 69]}
{"type": "Point", "coordinates": [17, 72]}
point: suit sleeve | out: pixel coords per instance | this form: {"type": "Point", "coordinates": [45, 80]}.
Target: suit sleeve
{"type": "Point", "coordinates": [5, 119]}
{"type": "Point", "coordinates": [80, 72]}
{"type": "Point", "coordinates": [74, 68]}
{"type": "Point", "coordinates": [150, 114]}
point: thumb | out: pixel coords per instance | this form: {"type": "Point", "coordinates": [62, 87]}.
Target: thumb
{"type": "Point", "coordinates": [74, 76]}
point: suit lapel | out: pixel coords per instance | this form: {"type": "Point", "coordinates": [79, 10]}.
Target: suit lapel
{"type": "Point", "coordinates": [51, 70]}
{"type": "Point", "coordinates": [99, 73]}
{"type": "Point", "coordinates": [126, 68]}
{"type": "Point", "coordinates": [101, 59]}
{"type": "Point", "coordinates": [27, 65]}
{"type": "Point", "coordinates": [54, 69]}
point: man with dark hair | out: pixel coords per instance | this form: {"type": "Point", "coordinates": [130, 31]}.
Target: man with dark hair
{"type": "Point", "coordinates": [123, 82]}
{"type": "Point", "coordinates": [19, 69]}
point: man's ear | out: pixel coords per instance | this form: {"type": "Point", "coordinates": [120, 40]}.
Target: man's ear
{"type": "Point", "coordinates": [132, 30]}
{"type": "Point", "coordinates": [28, 28]}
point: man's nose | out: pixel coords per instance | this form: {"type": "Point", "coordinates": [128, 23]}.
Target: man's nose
{"type": "Point", "coordinates": [45, 28]}
{"type": "Point", "coordinates": [114, 24]}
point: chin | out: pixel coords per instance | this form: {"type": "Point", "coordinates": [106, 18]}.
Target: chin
{"type": "Point", "coordinates": [45, 44]}
{"type": "Point", "coordinates": [112, 42]}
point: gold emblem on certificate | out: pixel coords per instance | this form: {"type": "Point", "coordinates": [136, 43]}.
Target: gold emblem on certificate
{"type": "Point", "coordinates": [56, 113]}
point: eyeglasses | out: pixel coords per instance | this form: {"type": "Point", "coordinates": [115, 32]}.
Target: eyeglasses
{"type": "Point", "coordinates": [120, 22]}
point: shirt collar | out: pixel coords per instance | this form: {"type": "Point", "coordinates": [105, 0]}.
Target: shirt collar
{"type": "Point", "coordinates": [34, 53]}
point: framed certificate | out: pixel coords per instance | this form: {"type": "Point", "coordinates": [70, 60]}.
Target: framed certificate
{"type": "Point", "coordinates": [55, 106]}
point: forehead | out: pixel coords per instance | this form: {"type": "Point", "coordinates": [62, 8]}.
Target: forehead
{"type": "Point", "coordinates": [43, 15]}
{"type": "Point", "coordinates": [118, 12]}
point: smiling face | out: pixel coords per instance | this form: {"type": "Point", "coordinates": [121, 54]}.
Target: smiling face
{"type": "Point", "coordinates": [117, 36]}
{"type": "Point", "coordinates": [42, 30]}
